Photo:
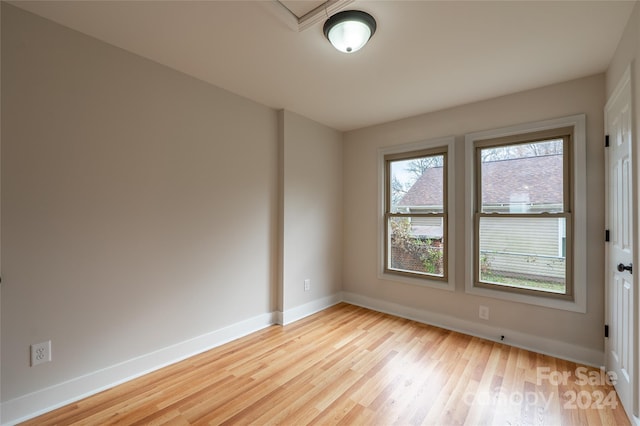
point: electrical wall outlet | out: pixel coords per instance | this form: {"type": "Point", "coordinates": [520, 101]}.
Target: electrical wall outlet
{"type": "Point", "coordinates": [483, 312]}
{"type": "Point", "coordinates": [41, 353]}
{"type": "Point", "coordinates": [307, 284]}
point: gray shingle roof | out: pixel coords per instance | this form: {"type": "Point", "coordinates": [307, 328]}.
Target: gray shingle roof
{"type": "Point", "coordinates": [532, 180]}
{"type": "Point", "coordinates": [426, 191]}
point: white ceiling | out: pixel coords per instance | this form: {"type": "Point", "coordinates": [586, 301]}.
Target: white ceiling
{"type": "Point", "coordinates": [425, 55]}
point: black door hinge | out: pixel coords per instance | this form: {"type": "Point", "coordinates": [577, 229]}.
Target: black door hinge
{"type": "Point", "coordinates": [606, 141]}
{"type": "Point", "coordinates": [606, 236]}
{"type": "Point", "coordinates": [606, 330]}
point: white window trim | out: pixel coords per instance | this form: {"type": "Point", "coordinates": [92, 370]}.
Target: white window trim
{"type": "Point", "coordinates": [579, 303]}
{"type": "Point", "coordinates": [449, 143]}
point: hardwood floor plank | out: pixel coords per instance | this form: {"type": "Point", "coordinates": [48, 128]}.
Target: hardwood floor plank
{"type": "Point", "coordinates": [357, 415]}
{"type": "Point", "coordinates": [348, 365]}
{"type": "Point", "coordinates": [291, 401]}
{"type": "Point", "coordinates": [420, 398]}
{"type": "Point", "coordinates": [478, 397]}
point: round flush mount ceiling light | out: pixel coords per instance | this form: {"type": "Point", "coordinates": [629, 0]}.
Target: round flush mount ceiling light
{"type": "Point", "coordinates": [350, 30]}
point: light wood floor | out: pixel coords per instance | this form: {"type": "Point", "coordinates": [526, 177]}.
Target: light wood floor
{"type": "Point", "coordinates": [349, 365]}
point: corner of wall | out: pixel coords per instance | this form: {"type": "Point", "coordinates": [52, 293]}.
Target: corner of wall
{"type": "Point", "coordinates": [280, 222]}
{"type": "Point", "coordinates": [311, 214]}
{"type": "Point", "coordinates": [302, 311]}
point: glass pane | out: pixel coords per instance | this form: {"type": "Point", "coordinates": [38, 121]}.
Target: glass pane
{"type": "Point", "coordinates": [416, 245]}
{"type": "Point", "coordinates": [523, 252]}
{"type": "Point", "coordinates": [417, 185]}
{"type": "Point", "coordinates": [523, 178]}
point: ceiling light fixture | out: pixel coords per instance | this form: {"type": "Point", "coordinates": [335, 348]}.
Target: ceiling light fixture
{"type": "Point", "coordinates": [350, 30]}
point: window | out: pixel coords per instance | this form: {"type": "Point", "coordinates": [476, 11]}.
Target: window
{"type": "Point", "coordinates": [416, 213]}
{"type": "Point", "coordinates": [524, 190]}
{"type": "Point", "coordinates": [527, 221]}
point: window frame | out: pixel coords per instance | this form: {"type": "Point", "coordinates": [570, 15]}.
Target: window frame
{"type": "Point", "coordinates": [407, 151]}
{"type": "Point", "coordinates": [575, 206]}
{"type": "Point", "coordinates": [566, 135]}
{"type": "Point", "coordinates": [389, 158]}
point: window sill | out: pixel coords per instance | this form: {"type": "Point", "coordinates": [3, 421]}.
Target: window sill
{"type": "Point", "coordinates": [577, 305]}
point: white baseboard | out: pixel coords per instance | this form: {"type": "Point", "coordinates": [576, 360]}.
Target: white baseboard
{"type": "Point", "coordinates": [518, 339]}
{"type": "Point", "coordinates": [299, 312]}
{"type": "Point", "coordinates": [44, 400]}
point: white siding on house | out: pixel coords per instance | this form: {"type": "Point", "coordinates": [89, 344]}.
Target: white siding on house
{"type": "Point", "coordinates": [427, 227]}
{"type": "Point", "coordinates": [426, 221]}
{"type": "Point", "coordinates": [527, 246]}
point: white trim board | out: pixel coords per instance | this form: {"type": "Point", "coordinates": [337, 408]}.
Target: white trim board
{"type": "Point", "coordinates": [42, 401]}
{"type": "Point", "coordinates": [45, 400]}
{"type": "Point", "coordinates": [36, 403]}
{"type": "Point", "coordinates": [301, 311]}
{"type": "Point", "coordinates": [518, 339]}
{"type": "Point", "coordinates": [579, 302]}
{"type": "Point", "coordinates": [449, 143]}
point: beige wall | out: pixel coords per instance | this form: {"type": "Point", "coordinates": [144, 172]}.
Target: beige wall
{"type": "Point", "coordinates": [361, 209]}
{"type": "Point", "coordinates": [143, 210]}
{"type": "Point", "coordinates": [139, 204]}
{"type": "Point", "coordinates": [311, 158]}
{"type": "Point", "coordinates": [627, 52]}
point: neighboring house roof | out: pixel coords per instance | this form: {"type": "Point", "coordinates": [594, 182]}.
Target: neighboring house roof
{"type": "Point", "coordinates": [504, 182]}
{"type": "Point", "coordinates": [426, 191]}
